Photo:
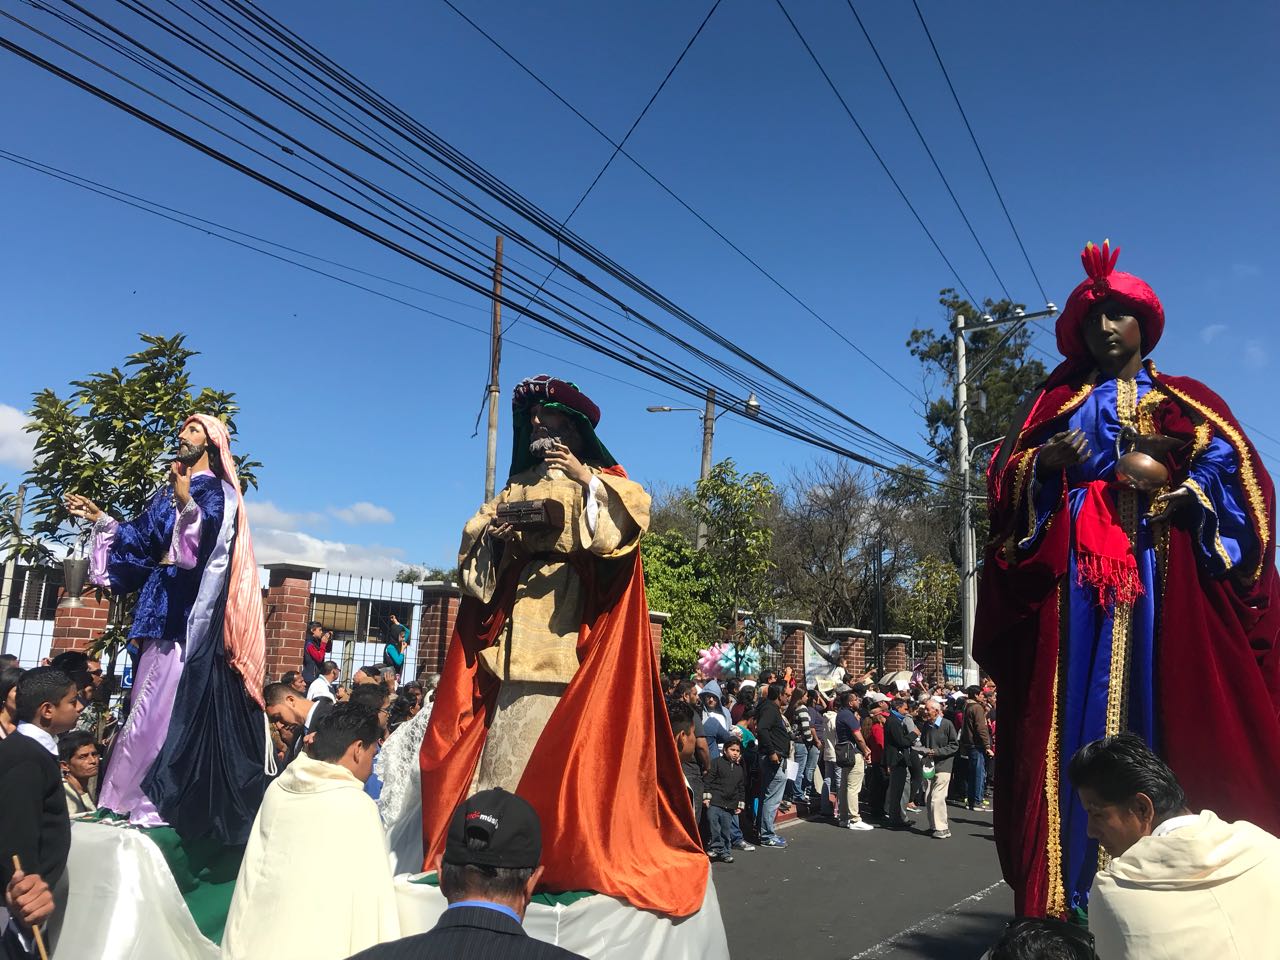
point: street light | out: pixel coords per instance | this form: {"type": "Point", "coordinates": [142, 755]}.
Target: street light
{"type": "Point", "coordinates": [750, 407]}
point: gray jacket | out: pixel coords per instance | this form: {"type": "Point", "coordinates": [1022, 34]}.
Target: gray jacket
{"type": "Point", "coordinates": [943, 740]}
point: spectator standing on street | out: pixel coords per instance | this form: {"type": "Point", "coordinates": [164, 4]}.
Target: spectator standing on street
{"type": "Point", "coordinates": [806, 745]}
{"type": "Point", "coordinates": [975, 742]}
{"type": "Point", "coordinates": [324, 686]}
{"type": "Point", "coordinates": [856, 755]}
{"type": "Point", "coordinates": [79, 761]}
{"type": "Point", "coordinates": [397, 644]}
{"type": "Point", "coordinates": [726, 783]}
{"type": "Point", "coordinates": [775, 748]}
{"type": "Point", "coordinates": [940, 742]}
{"type": "Point", "coordinates": [294, 679]}
{"type": "Point", "coordinates": [898, 742]}
{"type": "Point", "coordinates": [315, 651]}
{"type": "Point", "coordinates": [832, 775]}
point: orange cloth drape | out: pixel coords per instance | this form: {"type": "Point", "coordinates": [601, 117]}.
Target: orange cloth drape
{"type": "Point", "coordinates": [604, 777]}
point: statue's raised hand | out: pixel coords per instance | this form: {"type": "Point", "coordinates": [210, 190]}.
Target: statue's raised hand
{"type": "Point", "coordinates": [181, 480]}
{"type": "Point", "coordinates": [82, 507]}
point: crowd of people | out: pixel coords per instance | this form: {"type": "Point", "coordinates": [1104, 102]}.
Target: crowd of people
{"type": "Point", "coordinates": [857, 754]}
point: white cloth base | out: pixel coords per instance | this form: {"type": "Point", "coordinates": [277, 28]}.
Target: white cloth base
{"type": "Point", "coordinates": [597, 927]}
{"type": "Point", "coordinates": [122, 902]}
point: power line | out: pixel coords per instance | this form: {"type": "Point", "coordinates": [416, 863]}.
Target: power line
{"type": "Point", "coordinates": [684, 203]}
{"type": "Point", "coordinates": [686, 385]}
{"type": "Point", "coordinates": [925, 143]}
{"type": "Point", "coordinates": [621, 143]}
{"type": "Point", "coordinates": [981, 156]}
{"type": "Point", "coordinates": [874, 152]}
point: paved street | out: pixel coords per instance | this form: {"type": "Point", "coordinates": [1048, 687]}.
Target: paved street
{"type": "Point", "coordinates": [840, 895]}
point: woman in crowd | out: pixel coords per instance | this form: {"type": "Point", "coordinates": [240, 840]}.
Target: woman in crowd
{"type": "Point", "coordinates": [9, 677]}
{"type": "Point", "coordinates": [806, 745]}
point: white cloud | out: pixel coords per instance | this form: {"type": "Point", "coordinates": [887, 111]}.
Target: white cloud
{"type": "Point", "coordinates": [16, 445]}
{"type": "Point", "coordinates": [1212, 332]}
{"type": "Point", "coordinates": [363, 512]}
{"type": "Point", "coordinates": [271, 545]}
{"type": "Point", "coordinates": [1255, 354]}
{"type": "Point", "coordinates": [264, 513]}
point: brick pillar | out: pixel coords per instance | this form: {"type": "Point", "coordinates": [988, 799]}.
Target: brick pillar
{"type": "Point", "coordinates": [287, 606]}
{"type": "Point", "coordinates": [656, 621]}
{"type": "Point", "coordinates": [793, 646]}
{"type": "Point", "coordinates": [440, 600]}
{"type": "Point", "coordinates": [853, 649]}
{"type": "Point", "coordinates": [75, 627]}
{"type": "Point", "coordinates": [895, 651]}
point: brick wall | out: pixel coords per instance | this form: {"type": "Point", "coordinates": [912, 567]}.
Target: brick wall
{"type": "Point", "coordinates": [75, 627]}
{"type": "Point", "coordinates": [793, 646]}
{"type": "Point", "coordinates": [853, 648]}
{"type": "Point", "coordinates": [656, 620]}
{"type": "Point", "coordinates": [895, 652]}
{"type": "Point", "coordinates": [440, 602]}
{"type": "Point", "coordinates": [287, 607]}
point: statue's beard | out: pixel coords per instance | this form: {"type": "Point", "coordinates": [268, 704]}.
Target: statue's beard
{"type": "Point", "coordinates": [189, 454]}
{"type": "Point", "coordinates": [542, 446]}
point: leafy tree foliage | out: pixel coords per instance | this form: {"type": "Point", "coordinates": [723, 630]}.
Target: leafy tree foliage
{"type": "Point", "coordinates": [418, 573]}
{"type": "Point", "coordinates": [677, 582]}
{"type": "Point", "coordinates": [931, 606]}
{"type": "Point", "coordinates": [112, 439]}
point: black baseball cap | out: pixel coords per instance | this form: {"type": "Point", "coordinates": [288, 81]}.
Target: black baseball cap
{"type": "Point", "coordinates": [507, 825]}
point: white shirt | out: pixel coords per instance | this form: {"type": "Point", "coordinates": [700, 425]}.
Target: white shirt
{"type": "Point", "coordinates": [1175, 823]}
{"type": "Point", "coordinates": [42, 737]}
{"type": "Point", "coordinates": [310, 713]}
{"type": "Point", "coordinates": [320, 688]}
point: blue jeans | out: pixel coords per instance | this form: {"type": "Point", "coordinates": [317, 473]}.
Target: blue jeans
{"type": "Point", "coordinates": [773, 777]}
{"type": "Point", "coordinates": [977, 776]}
{"type": "Point", "coordinates": [721, 829]}
{"type": "Point", "coordinates": [806, 757]}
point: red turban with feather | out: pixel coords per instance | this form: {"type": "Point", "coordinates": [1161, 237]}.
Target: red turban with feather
{"type": "Point", "coordinates": [1105, 282]}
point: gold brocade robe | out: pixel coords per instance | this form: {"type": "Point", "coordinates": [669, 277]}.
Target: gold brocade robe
{"type": "Point", "coordinates": [536, 655]}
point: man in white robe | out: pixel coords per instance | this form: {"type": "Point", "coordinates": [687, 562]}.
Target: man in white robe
{"type": "Point", "coordinates": [1177, 884]}
{"type": "Point", "coordinates": [315, 883]}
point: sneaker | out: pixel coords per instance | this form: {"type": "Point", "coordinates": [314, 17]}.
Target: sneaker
{"type": "Point", "coordinates": [860, 825]}
{"type": "Point", "coordinates": [941, 834]}
{"type": "Point", "coordinates": [726, 858]}
{"type": "Point", "coordinates": [743, 845]}
{"type": "Point", "coordinates": [773, 842]}
{"type": "Point", "coordinates": [913, 808]}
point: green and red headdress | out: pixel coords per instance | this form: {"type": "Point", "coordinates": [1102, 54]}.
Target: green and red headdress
{"type": "Point", "coordinates": [1105, 282]}
{"type": "Point", "coordinates": [564, 397]}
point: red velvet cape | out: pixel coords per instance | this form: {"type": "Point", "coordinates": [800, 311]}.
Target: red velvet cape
{"type": "Point", "coordinates": [604, 777]}
{"type": "Point", "coordinates": [1217, 655]}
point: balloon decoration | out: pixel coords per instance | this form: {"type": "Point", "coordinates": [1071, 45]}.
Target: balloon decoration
{"type": "Point", "coordinates": [728, 660]}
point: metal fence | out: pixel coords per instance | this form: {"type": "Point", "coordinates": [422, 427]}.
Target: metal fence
{"type": "Point", "coordinates": [28, 599]}
{"type": "Point", "coordinates": [358, 610]}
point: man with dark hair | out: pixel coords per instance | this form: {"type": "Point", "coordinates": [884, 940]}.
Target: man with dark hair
{"type": "Point", "coordinates": [8, 660]}
{"type": "Point", "coordinates": [488, 873]}
{"type": "Point", "coordinates": [1040, 938]}
{"type": "Point", "coordinates": [294, 678]}
{"type": "Point", "coordinates": [898, 741]}
{"type": "Point", "coordinates": [1178, 884]}
{"type": "Point", "coordinates": [78, 753]}
{"type": "Point", "coordinates": [322, 687]}
{"type": "Point", "coordinates": [33, 811]}
{"type": "Point", "coordinates": [315, 650]}
{"type": "Point", "coordinates": [375, 698]}
{"type": "Point", "coordinates": [775, 747]}
{"type": "Point", "coordinates": [285, 705]}
{"type": "Point", "coordinates": [277, 910]}
{"type": "Point", "coordinates": [975, 744]}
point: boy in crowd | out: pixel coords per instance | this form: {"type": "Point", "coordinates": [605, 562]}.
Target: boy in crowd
{"type": "Point", "coordinates": [726, 783]}
{"type": "Point", "coordinates": [33, 809]}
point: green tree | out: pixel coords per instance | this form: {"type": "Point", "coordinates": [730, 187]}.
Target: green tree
{"type": "Point", "coordinates": [112, 439]}
{"type": "Point", "coordinates": [929, 609]}
{"type": "Point", "coordinates": [999, 365]}
{"type": "Point", "coordinates": [677, 582]}
{"type": "Point", "coordinates": [738, 510]}
{"type": "Point", "coordinates": [418, 573]}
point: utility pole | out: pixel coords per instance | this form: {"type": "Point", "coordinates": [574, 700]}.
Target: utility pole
{"type": "Point", "coordinates": [495, 360]}
{"type": "Point", "coordinates": [10, 570]}
{"type": "Point", "coordinates": [964, 453]}
{"type": "Point", "coordinates": [708, 437]}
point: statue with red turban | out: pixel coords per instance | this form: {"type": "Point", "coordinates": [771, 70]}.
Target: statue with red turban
{"type": "Point", "coordinates": [552, 635]}
{"type": "Point", "coordinates": [1129, 585]}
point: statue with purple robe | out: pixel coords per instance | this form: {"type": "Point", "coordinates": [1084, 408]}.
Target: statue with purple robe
{"type": "Point", "coordinates": [195, 750]}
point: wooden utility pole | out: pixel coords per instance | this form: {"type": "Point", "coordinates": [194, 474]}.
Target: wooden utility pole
{"type": "Point", "coordinates": [495, 361]}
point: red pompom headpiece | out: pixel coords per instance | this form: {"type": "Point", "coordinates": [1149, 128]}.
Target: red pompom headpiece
{"type": "Point", "coordinates": [1106, 282]}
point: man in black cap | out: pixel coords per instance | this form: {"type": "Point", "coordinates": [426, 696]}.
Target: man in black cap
{"type": "Point", "coordinates": [488, 873]}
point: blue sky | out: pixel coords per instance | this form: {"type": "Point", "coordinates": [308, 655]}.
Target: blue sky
{"type": "Point", "coordinates": [1149, 123]}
